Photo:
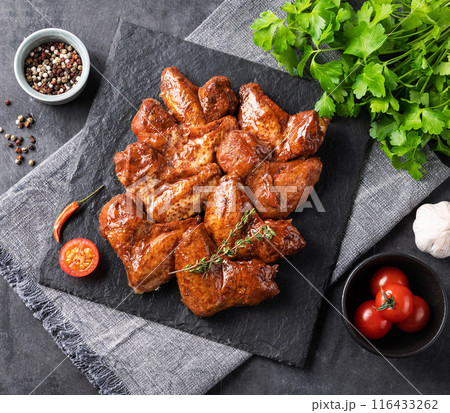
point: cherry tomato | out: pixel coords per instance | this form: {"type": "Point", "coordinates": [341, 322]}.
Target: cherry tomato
{"type": "Point", "coordinates": [419, 317]}
{"type": "Point", "coordinates": [369, 322]}
{"type": "Point", "coordinates": [394, 302]}
{"type": "Point", "coordinates": [79, 257]}
{"type": "Point", "coordinates": [387, 275]}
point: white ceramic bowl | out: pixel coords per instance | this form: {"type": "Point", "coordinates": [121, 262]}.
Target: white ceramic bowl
{"type": "Point", "coordinates": [35, 40]}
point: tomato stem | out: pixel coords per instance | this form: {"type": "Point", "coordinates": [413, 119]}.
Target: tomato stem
{"type": "Point", "coordinates": [388, 303]}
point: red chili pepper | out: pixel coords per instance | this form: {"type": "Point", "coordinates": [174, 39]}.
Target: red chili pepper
{"type": "Point", "coordinates": [67, 212]}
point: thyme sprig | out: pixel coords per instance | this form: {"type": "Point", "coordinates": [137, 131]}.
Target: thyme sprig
{"type": "Point", "coordinates": [203, 266]}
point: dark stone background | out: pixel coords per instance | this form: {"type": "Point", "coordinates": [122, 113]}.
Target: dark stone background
{"type": "Point", "coordinates": [28, 354]}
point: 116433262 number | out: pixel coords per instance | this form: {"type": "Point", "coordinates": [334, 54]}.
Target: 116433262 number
{"type": "Point", "coordinates": [411, 404]}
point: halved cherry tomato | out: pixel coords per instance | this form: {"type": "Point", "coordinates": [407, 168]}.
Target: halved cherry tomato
{"type": "Point", "coordinates": [394, 302]}
{"type": "Point", "coordinates": [79, 257]}
{"type": "Point", "coordinates": [387, 275]}
{"type": "Point", "coordinates": [419, 317]}
{"type": "Point", "coordinates": [369, 322]}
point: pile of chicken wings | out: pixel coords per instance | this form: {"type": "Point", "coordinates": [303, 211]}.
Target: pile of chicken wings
{"type": "Point", "coordinates": [196, 157]}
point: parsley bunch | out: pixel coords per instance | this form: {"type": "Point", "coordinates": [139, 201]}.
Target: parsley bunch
{"type": "Point", "coordinates": [395, 62]}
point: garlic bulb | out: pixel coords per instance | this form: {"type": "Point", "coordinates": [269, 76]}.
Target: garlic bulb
{"type": "Point", "coordinates": [432, 229]}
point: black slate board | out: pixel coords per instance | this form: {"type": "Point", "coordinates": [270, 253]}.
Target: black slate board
{"type": "Point", "coordinates": [280, 328]}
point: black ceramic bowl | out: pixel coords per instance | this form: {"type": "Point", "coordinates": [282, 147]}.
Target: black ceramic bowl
{"type": "Point", "coordinates": [423, 282]}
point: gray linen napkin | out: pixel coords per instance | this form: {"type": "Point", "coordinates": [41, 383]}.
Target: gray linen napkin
{"type": "Point", "coordinates": [120, 353]}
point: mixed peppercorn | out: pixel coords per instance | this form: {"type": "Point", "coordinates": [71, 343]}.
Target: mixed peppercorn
{"type": "Point", "coordinates": [53, 68]}
{"type": "Point", "coordinates": [18, 141]}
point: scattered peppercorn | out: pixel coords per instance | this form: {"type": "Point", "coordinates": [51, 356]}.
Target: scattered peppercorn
{"type": "Point", "coordinates": [53, 68]}
{"type": "Point", "coordinates": [7, 102]}
{"type": "Point", "coordinates": [31, 162]}
{"type": "Point", "coordinates": [16, 142]}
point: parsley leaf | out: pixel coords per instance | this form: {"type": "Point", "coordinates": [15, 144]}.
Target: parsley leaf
{"type": "Point", "coordinates": [288, 59]}
{"type": "Point", "coordinates": [411, 117]}
{"type": "Point", "coordinates": [328, 74]}
{"type": "Point", "coordinates": [366, 40]}
{"type": "Point", "coordinates": [382, 128]}
{"type": "Point", "coordinates": [390, 78]}
{"type": "Point", "coordinates": [265, 28]}
{"type": "Point", "coordinates": [282, 39]}
{"type": "Point", "coordinates": [325, 106]}
{"type": "Point", "coordinates": [371, 79]}
{"type": "Point", "coordinates": [432, 121]}
{"type": "Point", "coordinates": [306, 55]}
{"type": "Point", "coordinates": [313, 24]}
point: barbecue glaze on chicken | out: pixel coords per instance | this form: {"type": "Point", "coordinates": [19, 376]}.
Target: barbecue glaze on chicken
{"type": "Point", "coordinates": [146, 249]}
{"type": "Point", "coordinates": [177, 164]}
{"type": "Point", "coordinates": [241, 153]}
{"type": "Point", "coordinates": [224, 210]}
{"type": "Point", "coordinates": [168, 194]}
{"type": "Point", "coordinates": [279, 187]}
{"type": "Point", "coordinates": [229, 284]}
{"type": "Point", "coordinates": [192, 106]}
{"type": "Point", "coordinates": [181, 145]}
{"type": "Point", "coordinates": [289, 136]}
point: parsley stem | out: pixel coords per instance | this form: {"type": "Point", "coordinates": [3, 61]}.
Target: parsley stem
{"type": "Point", "coordinates": [437, 106]}
{"type": "Point", "coordinates": [407, 73]}
{"type": "Point", "coordinates": [329, 50]}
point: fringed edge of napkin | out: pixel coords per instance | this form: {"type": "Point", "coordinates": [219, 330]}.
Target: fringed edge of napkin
{"type": "Point", "coordinates": [68, 339]}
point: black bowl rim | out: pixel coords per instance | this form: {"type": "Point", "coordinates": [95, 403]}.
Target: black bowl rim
{"type": "Point", "coordinates": [362, 341]}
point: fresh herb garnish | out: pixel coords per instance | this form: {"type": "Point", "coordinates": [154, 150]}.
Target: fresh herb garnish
{"type": "Point", "coordinates": [394, 62]}
{"type": "Point", "coordinates": [203, 265]}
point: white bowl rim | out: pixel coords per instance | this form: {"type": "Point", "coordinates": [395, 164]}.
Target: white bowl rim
{"type": "Point", "coordinates": [39, 36]}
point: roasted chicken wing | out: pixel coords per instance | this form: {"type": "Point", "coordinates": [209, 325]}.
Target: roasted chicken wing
{"type": "Point", "coordinates": [168, 194]}
{"type": "Point", "coordinates": [192, 106]}
{"type": "Point", "coordinates": [181, 145]}
{"type": "Point", "coordinates": [146, 249]}
{"type": "Point", "coordinates": [224, 210]}
{"type": "Point", "coordinates": [196, 146]}
{"type": "Point", "coordinates": [240, 153]}
{"type": "Point", "coordinates": [139, 160]}
{"type": "Point", "coordinates": [290, 137]}
{"type": "Point", "coordinates": [152, 124]}
{"type": "Point", "coordinates": [217, 98]}
{"type": "Point", "coordinates": [279, 187]}
{"type": "Point", "coordinates": [229, 284]}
